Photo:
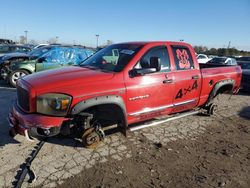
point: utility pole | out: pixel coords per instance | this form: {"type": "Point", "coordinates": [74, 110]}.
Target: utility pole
{"type": "Point", "coordinates": [26, 36]}
{"type": "Point", "coordinates": [4, 31]}
{"type": "Point", "coordinates": [97, 37]}
{"type": "Point", "coordinates": [57, 39]}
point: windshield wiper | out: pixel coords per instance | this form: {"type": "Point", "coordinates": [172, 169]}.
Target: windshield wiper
{"type": "Point", "coordinates": [95, 68]}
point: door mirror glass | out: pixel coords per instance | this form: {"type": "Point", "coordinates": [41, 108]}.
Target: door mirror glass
{"type": "Point", "coordinates": [155, 62]}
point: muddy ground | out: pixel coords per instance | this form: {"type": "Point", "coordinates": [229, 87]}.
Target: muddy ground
{"type": "Point", "coordinates": [218, 158]}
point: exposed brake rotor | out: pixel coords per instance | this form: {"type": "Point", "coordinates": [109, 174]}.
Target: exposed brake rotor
{"type": "Point", "coordinates": [92, 136]}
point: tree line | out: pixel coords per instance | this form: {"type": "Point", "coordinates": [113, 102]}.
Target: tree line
{"type": "Point", "coordinates": [220, 51]}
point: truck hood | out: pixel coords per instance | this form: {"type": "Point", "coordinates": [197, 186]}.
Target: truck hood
{"type": "Point", "coordinates": [48, 81]}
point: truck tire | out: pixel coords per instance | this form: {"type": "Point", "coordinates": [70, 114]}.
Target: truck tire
{"type": "Point", "coordinates": [215, 106]}
{"type": "Point", "coordinates": [15, 75]}
{"type": "Point", "coordinates": [212, 109]}
{"type": "Point", "coordinates": [3, 72]}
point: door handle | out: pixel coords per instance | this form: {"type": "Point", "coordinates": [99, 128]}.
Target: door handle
{"type": "Point", "coordinates": [196, 77]}
{"type": "Point", "coordinates": [168, 81]}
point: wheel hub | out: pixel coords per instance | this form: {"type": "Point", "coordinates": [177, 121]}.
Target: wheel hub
{"type": "Point", "coordinates": [17, 75]}
{"type": "Point", "coordinates": [92, 137]}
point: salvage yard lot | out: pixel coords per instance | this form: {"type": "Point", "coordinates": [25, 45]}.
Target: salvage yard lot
{"type": "Point", "coordinates": [191, 152]}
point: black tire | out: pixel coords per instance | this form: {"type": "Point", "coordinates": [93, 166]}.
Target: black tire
{"type": "Point", "coordinates": [4, 71]}
{"type": "Point", "coordinates": [15, 75]}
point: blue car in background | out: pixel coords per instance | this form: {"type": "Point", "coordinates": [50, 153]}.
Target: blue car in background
{"type": "Point", "coordinates": [49, 57]}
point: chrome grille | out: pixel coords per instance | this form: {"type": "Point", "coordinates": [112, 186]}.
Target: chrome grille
{"type": "Point", "coordinates": [23, 99]}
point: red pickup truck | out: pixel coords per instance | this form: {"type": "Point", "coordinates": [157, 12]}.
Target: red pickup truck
{"type": "Point", "coordinates": [120, 85]}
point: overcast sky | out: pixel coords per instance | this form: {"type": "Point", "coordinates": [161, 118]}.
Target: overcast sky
{"type": "Point", "coordinates": [212, 23]}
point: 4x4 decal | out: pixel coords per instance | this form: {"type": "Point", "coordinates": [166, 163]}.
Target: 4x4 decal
{"type": "Point", "coordinates": [185, 91]}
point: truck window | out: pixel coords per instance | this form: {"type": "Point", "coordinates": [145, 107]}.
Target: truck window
{"type": "Point", "coordinates": [160, 52]}
{"type": "Point", "coordinates": [182, 57]}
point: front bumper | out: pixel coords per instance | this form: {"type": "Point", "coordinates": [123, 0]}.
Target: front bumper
{"type": "Point", "coordinates": [37, 125]}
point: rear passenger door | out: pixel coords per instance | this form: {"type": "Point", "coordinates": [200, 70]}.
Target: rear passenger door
{"type": "Point", "coordinates": [187, 79]}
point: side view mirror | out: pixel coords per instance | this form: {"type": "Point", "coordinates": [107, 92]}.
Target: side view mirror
{"type": "Point", "coordinates": [154, 66]}
{"type": "Point", "coordinates": [155, 62]}
{"type": "Point", "coordinates": [41, 59]}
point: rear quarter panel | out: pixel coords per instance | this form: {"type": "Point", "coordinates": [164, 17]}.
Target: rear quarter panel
{"type": "Point", "coordinates": [211, 76]}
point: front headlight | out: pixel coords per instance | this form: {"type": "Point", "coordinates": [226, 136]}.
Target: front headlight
{"type": "Point", "coordinates": [55, 104]}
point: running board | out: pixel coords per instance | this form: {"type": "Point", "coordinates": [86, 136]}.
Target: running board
{"type": "Point", "coordinates": [157, 122]}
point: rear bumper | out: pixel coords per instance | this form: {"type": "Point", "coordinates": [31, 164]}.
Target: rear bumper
{"type": "Point", "coordinates": [36, 124]}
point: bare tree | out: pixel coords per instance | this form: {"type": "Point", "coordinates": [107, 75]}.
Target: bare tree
{"type": "Point", "coordinates": [109, 42]}
{"type": "Point", "coordinates": [34, 42]}
{"type": "Point", "coordinates": [52, 40]}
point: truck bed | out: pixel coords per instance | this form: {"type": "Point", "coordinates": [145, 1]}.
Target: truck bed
{"type": "Point", "coordinates": [206, 65]}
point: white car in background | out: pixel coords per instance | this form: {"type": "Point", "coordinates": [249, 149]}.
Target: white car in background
{"type": "Point", "coordinates": [202, 58]}
{"type": "Point", "coordinates": [40, 45]}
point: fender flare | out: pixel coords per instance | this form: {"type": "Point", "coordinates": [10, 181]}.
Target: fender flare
{"type": "Point", "coordinates": [107, 99]}
{"type": "Point", "coordinates": [219, 85]}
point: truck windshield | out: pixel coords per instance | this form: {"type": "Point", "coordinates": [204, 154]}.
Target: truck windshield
{"type": "Point", "coordinates": [112, 58]}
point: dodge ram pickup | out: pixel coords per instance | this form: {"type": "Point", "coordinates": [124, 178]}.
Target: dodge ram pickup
{"type": "Point", "coordinates": [144, 81]}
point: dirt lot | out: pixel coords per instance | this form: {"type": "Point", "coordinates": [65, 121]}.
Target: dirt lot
{"type": "Point", "coordinates": [219, 157]}
{"type": "Point", "coordinates": [196, 151]}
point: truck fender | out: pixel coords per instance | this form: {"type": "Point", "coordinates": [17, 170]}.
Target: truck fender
{"type": "Point", "coordinates": [221, 87]}
{"type": "Point", "coordinates": [108, 99]}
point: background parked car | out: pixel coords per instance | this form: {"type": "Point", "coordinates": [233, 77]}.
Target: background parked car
{"type": "Point", "coordinates": [40, 45]}
{"type": "Point", "coordinates": [48, 57]}
{"type": "Point", "coordinates": [243, 59]}
{"type": "Point", "coordinates": [202, 58]}
{"type": "Point", "coordinates": [9, 48]}
{"type": "Point", "coordinates": [6, 41]}
{"type": "Point", "coordinates": [245, 81]}
{"type": "Point", "coordinates": [223, 61]}
{"type": "Point", "coordinates": [9, 58]}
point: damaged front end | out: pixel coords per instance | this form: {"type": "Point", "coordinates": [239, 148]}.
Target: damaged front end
{"type": "Point", "coordinates": [33, 125]}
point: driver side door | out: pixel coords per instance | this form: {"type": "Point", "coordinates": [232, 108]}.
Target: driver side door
{"type": "Point", "coordinates": [150, 95]}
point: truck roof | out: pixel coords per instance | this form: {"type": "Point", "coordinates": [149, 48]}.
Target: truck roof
{"type": "Point", "coordinates": [154, 42]}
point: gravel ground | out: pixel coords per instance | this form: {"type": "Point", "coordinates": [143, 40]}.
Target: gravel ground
{"type": "Point", "coordinates": [195, 151]}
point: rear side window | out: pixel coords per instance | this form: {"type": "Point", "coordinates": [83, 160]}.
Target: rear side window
{"type": "Point", "coordinates": [182, 57]}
